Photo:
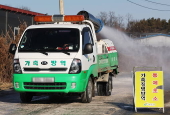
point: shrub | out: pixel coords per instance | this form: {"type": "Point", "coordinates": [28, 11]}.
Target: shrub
{"type": "Point", "coordinates": [6, 59]}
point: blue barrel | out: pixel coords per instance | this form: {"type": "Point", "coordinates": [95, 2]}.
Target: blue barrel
{"type": "Point", "coordinates": [98, 24]}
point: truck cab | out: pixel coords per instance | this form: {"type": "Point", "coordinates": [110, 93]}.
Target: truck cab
{"type": "Point", "coordinates": [57, 58]}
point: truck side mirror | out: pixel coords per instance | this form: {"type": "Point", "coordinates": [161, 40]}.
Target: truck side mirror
{"type": "Point", "coordinates": [88, 49]}
{"type": "Point", "coordinates": [12, 48]}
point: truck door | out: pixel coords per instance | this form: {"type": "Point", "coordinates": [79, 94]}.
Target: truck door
{"type": "Point", "coordinates": [88, 59]}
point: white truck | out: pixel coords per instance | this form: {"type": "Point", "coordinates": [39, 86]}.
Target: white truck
{"type": "Point", "coordinates": [62, 55]}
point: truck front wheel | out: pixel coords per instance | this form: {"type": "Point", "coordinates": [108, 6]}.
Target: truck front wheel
{"type": "Point", "coordinates": [86, 97]}
{"type": "Point", "coordinates": [26, 97]}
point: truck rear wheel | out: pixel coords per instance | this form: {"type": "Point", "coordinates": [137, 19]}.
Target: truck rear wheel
{"type": "Point", "coordinates": [100, 89]}
{"type": "Point", "coordinates": [26, 97]}
{"type": "Point", "coordinates": [86, 96]}
{"type": "Point", "coordinates": [104, 88]}
{"type": "Point", "coordinates": [108, 86]}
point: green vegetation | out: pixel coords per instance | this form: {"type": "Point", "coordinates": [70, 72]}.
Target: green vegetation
{"type": "Point", "coordinates": [151, 25]}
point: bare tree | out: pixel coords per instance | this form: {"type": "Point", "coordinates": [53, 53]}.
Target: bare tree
{"type": "Point", "coordinates": [120, 20]}
{"type": "Point", "coordinates": [129, 18]}
{"type": "Point", "coordinates": [104, 17]}
{"type": "Point", "coordinates": [24, 8]}
{"type": "Point", "coordinates": [112, 21]}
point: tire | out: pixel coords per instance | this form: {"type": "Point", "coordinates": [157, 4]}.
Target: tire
{"type": "Point", "coordinates": [108, 87]}
{"type": "Point", "coordinates": [86, 97]}
{"type": "Point", "coordinates": [100, 89]}
{"type": "Point", "coordinates": [105, 88]}
{"type": "Point", "coordinates": [26, 97]}
{"type": "Point", "coordinates": [94, 93]}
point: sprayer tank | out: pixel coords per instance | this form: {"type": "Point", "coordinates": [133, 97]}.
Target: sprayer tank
{"type": "Point", "coordinates": [98, 24]}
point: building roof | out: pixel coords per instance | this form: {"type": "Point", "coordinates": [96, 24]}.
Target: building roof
{"type": "Point", "coordinates": [8, 8]}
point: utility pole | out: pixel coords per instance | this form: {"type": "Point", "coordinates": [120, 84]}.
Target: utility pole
{"type": "Point", "coordinates": [61, 2]}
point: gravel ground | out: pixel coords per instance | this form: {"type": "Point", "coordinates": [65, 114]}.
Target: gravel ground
{"type": "Point", "coordinates": [119, 103]}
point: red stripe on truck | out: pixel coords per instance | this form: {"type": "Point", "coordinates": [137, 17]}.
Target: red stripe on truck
{"type": "Point", "coordinates": [111, 48]}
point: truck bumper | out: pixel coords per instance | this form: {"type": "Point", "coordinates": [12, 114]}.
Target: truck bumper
{"type": "Point", "coordinates": [63, 83]}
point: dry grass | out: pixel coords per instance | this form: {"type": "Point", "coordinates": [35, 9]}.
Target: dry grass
{"type": "Point", "coordinates": [4, 86]}
{"type": "Point", "coordinates": [6, 59]}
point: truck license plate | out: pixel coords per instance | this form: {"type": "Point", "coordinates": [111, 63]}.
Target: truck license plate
{"type": "Point", "coordinates": [43, 80]}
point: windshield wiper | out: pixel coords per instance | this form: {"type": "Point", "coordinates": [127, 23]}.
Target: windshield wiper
{"type": "Point", "coordinates": [43, 52]}
{"type": "Point", "coordinates": [66, 52]}
{"type": "Point", "coordinates": [37, 50]}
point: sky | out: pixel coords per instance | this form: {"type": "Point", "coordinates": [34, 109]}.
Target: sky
{"type": "Point", "coordinates": [120, 7]}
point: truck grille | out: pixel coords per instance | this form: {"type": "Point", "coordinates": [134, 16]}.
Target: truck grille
{"type": "Point", "coordinates": [44, 86]}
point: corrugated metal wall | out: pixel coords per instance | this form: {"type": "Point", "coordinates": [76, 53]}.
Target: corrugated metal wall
{"type": "Point", "coordinates": [9, 20]}
{"type": "Point", "coordinates": [2, 21]}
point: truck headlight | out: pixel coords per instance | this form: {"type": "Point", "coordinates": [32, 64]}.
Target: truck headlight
{"type": "Point", "coordinates": [75, 66]}
{"type": "Point", "coordinates": [17, 67]}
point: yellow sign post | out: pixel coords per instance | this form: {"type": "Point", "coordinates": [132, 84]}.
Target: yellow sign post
{"type": "Point", "coordinates": [148, 89]}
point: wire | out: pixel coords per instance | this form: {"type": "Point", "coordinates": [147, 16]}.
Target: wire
{"type": "Point", "coordinates": [145, 6]}
{"type": "Point", "coordinates": [157, 3]}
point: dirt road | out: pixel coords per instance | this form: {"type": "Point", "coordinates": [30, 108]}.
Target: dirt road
{"type": "Point", "coordinates": [119, 103]}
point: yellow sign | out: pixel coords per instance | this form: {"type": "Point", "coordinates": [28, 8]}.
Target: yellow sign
{"type": "Point", "coordinates": [149, 89]}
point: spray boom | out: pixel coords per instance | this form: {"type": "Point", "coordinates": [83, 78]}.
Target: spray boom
{"type": "Point", "coordinates": [98, 24]}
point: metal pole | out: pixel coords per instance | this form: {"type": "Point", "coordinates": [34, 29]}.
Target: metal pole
{"type": "Point", "coordinates": [61, 2]}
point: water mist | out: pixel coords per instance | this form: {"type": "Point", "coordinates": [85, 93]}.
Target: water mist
{"type": "Point", "coordinates": [134, 52]}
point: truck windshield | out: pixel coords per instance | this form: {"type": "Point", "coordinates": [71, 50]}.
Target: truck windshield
{"type": "Point", "coordinates": [50, 40]}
